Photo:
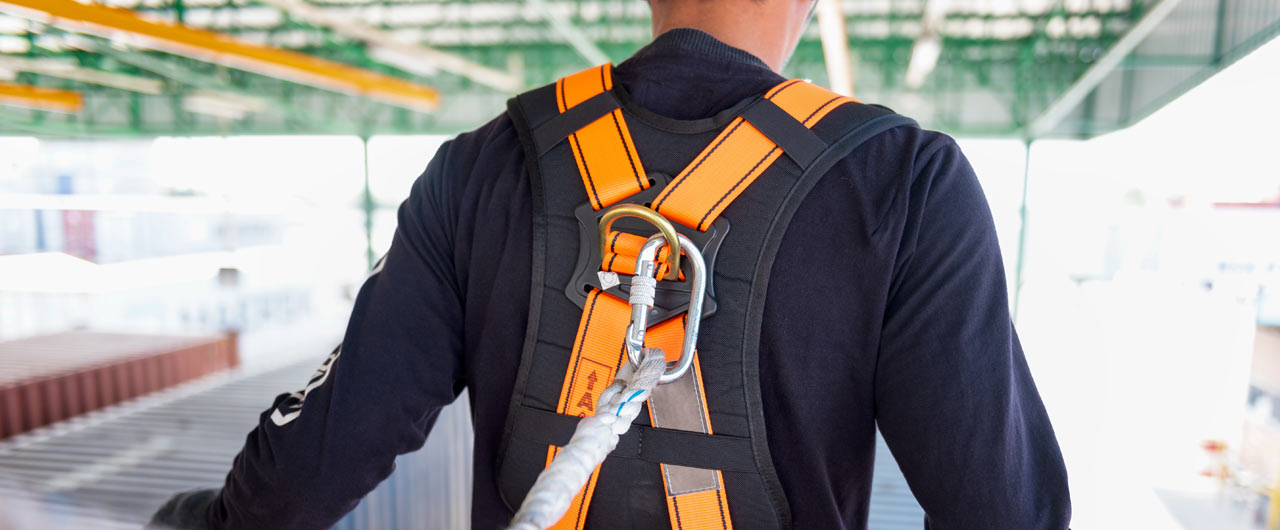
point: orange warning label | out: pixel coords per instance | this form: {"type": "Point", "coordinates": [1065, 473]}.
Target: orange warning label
{"type": "Point", "coordinates": [589, 378]}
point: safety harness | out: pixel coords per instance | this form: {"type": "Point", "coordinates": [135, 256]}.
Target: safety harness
{"type": "Point", "coordinates": [699, 458]}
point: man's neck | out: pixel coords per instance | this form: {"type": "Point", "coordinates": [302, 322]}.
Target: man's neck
{"type": "Point", "coordinates": [749, 26]}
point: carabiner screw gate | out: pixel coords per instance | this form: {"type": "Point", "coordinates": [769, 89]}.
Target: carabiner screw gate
{"type": "Point", "coordinates": [643, 284]}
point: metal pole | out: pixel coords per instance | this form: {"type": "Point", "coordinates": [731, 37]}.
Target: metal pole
{"type": "Point", "coordinates": [835, 46]}
{"type": "Point", "coordinates": [368, 205]}
{"type": "Point", "coordinates": [1022, 231]}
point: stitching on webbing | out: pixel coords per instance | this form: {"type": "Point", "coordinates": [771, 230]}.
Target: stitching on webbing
{"type": "Point", "coordinates": [613, 249]}
{"type": "Point", "coordinates": [577, 147]}
{"type": "Point", "coordinates": [735, 186]}
{"type": "Point", "coordinates": [723, 523]}
{"type": "Point", "coordinates": [675, 502]}
{"type": "Point", "coordinates": [695, 167]}
{"type": "Point", "coordinates": [805, 122]}
{"type": "Point", "coordinates": [586, 170]}
{"type": "Point", "coordinates": [618, 127]}
{"type": "Point", "coordinates": [785, 86]}
{"type": "Point", "coordinates": [724, 138]}
{"type": "Point", "coordinates": [577, 357]}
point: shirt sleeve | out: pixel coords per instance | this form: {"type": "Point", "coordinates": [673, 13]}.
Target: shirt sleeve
{"type": "Point", "coordinates": [955, 400]}
{"type": "Point", "coordinates": [318, 451]}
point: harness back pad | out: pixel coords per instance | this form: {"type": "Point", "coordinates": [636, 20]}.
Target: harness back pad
{"type": "Point", "coordinates": [629, 491]}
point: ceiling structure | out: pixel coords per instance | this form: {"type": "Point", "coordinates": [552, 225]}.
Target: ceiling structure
{"type": "Point", "coordinates": [1021, 68]}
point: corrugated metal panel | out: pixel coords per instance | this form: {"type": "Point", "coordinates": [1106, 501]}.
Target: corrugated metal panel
{"type": "Point", "coordinates": [50, 378]}
{"type": "Point", "coordinates": [893, 507]}
{"type": "Point", "coordinates": [113, 468]}
{"type": "Point", "coordinates": [431, 488]}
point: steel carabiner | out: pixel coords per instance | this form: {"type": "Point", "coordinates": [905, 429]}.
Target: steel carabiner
{"type": "Point", "coordinates": [644, 280]}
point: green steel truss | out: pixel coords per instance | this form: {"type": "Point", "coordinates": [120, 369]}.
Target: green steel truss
{"type": "Point", "coordinates": [996, 73]}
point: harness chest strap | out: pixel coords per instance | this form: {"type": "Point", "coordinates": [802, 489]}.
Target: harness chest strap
{"type": "Point", "coordinates": [611, 171]}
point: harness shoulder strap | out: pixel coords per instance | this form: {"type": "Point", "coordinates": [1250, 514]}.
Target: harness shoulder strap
{"type": "Point", "coordinates": [779, 123]}
{"type": "Point", "coordinates": [590, 117]}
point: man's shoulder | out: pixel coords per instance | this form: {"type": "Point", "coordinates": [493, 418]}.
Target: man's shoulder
{"type": "Point", "coordinates": [877, 175]}
{"type": "Point", "coordinates": [908, 143]}
{"type": "Point", "coordinates": [894, 155]}
{"type": "Point", "coordinates": [497, 133]}
{"type": "Point", "coordinates": [467, 159]}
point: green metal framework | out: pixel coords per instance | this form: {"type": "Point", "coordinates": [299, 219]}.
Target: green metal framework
{"type": "Point", "coordinates": [996, 73]}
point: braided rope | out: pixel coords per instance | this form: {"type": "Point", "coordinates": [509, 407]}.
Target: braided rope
{"type": "Point", "coordinates": [593, 440]}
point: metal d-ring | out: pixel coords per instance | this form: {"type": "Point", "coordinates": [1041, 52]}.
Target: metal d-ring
{"type": "Point", "coordinates": [647, 268]}
{"type": "Point", "coordinates": [654, 218]}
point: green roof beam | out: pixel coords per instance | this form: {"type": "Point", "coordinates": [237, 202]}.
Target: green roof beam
{"type": "Point", "coordinates": [1073, 96]}
{"type": "Point", "coordinates": [572, 34]}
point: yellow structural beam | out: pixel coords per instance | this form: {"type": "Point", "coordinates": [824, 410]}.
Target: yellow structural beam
{"type": "Point", "coordinates": [217, 48]}
{"type": "Point", "coordinates": [38, 97]}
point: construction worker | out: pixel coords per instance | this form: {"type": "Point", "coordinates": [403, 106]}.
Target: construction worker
{"type": "Point", "coordinates": [886, 305]}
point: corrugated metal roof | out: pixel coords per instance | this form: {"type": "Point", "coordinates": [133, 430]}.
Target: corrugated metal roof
{"type": "Point", "coordinates": [1001, 66]}
{"type": "Point", "coordinates": [113, 468]}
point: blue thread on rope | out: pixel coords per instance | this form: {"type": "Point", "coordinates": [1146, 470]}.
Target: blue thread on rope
{"type": "Point", "coordinates": [624, 403]}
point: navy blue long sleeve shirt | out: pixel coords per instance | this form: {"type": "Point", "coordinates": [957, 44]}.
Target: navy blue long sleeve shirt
{"type": "Point", "coordinates": [886, 306]}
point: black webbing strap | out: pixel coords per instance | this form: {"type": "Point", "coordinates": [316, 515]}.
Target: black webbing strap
{"type": "Point", "coordinates": [796, 140]}
{"type": "Point", "coordinates": [559, 127]}
{"type": "Point", "coordinates": [667, 446]}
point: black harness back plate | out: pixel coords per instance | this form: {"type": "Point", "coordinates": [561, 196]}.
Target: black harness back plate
{"type": "Point", "coordinates": [629, 492]}
{"type": "Point", "coordinates": [671, 298]}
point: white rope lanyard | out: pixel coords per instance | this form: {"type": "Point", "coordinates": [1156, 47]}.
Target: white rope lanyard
{"type": "Point", "coordinates": [593, 440]}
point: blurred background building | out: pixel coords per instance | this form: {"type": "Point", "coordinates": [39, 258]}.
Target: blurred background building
{"type": "Point", "coordinates": [191, 192]}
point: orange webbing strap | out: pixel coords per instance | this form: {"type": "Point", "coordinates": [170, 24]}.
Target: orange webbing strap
{"type": "Point", "coordinates": [623, 249]}
{"type": "Point", "coordinates": [603, 150]}
{"type": "Point", "coordinates": [738, 156]}
{"type": "Point", "coordinates": [597, 354]}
